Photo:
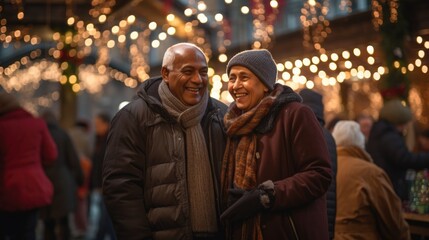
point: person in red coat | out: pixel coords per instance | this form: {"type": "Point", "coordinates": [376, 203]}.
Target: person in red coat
{"type": "Point", "coordinates": [25, 146]}
{"type": "Point", "coordinates": [276, 168]}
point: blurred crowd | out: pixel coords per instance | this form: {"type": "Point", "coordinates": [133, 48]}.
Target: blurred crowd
{"type": "Point", "coordinates": [51, 176]}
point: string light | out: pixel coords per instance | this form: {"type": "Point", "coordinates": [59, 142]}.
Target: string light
{"type": "Point", "coordinates": [327, 69]}
{"type": "Point", "coordinates": [315, 25]}
{"type": "Point", "coordinates": [263, 20]}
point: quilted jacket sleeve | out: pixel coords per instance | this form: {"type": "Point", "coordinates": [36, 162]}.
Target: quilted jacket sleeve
{"type": "Point", "coordinates": [123, 180]}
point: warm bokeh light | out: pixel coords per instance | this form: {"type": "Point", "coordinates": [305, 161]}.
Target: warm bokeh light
{"type": "Point", "coordinates": [188, 12]}
{"type": "Point", "coordinates": [288, 65]}
{"type": "Point", "coordinates": [370, 49]}
{"type": "Point", "coordinates": [152, 25]}
{"type": "Point", "coordinates": [171, 30]}
{"type": "Point", "coordinates": [245, 10]}
{"type": "Point", "coordinates": [170, 17]}
{"type": "Point", "coordinates": [102, 18]}
{"type": "Point", "coordinates": [218, 17]}
{"type": "Point", "coordinates": [70, 21]}
{"type": "Point", "coordinates": [274, 4]}
{"type": "Point", "coordinates": [419, 39]}
{"type": "Point", "coordinates": [223, 58]}
{"type": "Point", "coordinates": [134, 35]}
{"type": "Point", "coordinates": [104, 36]}
{"type": "Point", "coordinates": [131, 19]}
{"type": "Point", "coordinates": [356, 52]}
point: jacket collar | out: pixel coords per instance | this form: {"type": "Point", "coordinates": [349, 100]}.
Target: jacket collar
{"type": "Point", "coordinates": [286, 97]}
{"type": "Point", "coordinates": [354, 151]}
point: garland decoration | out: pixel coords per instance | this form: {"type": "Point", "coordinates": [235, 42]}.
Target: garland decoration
{"type": "Point", "coordinates": [388, 18]}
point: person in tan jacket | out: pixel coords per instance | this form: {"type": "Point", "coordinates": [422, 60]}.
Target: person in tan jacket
{"type": "Point", "coordinates": [367, 206]}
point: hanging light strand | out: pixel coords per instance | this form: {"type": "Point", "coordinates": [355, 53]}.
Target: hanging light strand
{"type": "Point", "coordinates": [315, 25]}
{"type": "Point", "coordinates": [264, 18]}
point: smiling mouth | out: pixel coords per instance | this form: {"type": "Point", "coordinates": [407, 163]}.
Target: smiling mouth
{"type": "Point", "coordinates": [194, 90]}
{"type": "Point", "coordinates": [239, 95]}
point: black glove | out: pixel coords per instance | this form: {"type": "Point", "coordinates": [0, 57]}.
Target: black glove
{"type": "Point", "coordinates": [233, 195]}
{"type": "Point", "coordinates": [245, 207]}
{"type": "Point", "coordinates": [245, 204]}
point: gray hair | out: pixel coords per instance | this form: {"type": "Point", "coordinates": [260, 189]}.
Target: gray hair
{"type": "Point", "coordinates": [348, 133]}
{"type": "Point", "coordinates": [170, 54]}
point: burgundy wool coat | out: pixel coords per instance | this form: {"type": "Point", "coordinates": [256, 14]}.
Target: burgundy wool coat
{"type": "Point", "coordinates": [25, 144]}
{"type": "Point", "coordinates": [294, 155]}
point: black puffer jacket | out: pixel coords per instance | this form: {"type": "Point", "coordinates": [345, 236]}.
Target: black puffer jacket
{"type": "Point", "coordinates": [144, 172]}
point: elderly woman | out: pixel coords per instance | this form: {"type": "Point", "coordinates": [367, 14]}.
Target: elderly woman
{"type": "Point", "coordinates": [367, 206]}
{"type": "Point", "coordinates": [276, 168]}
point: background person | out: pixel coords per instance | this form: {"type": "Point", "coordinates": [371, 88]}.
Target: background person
{"type": "Point", "coordinates": [313, 99]}
{"type": "Point", "coordinates": [365, 122]}
{"type": "Point", "coordinates": [367, 206]}
{"type": "Point", "coordinates": [66, 175]}
{"type": "Point", "coordinates": [80, 136]}
{"type": "Point", "coordinates": [25, 146]}
{"type": "Point", "coordinates": [388, 148]}
{"type": "Point", "coordinates": [101, 224]}
{"type": "Point", "coordinates": [162, 165]}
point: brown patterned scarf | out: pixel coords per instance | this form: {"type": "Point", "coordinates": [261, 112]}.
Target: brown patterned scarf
{"type": "Point", "coordinates": [239, 161]}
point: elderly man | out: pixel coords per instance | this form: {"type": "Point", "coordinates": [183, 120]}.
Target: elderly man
{"type": "Point", "coordinates": [162, 165]}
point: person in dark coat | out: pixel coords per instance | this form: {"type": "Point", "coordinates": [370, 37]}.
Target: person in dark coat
{"type": "Point", "coordinates": [387, 145]}
{"type": "Point", "coordinates": [66, 175]}
{"type": "Point", "coordinates": [276, 168]}
{"type": "Point", "coordinates": [25, 147]}
{"type": "Point", "coordinates": [80, 135]}
{"type": "Point", "coordinates": [313, 99]}
{"type": "Point", "coordinates": [162, 166]}
{"type": "Point", "coordinates": [365, 121]}
{"type": "Point", "coordinates": [101, 125]}
{"type": "Point", "coordinates": [102, 224]}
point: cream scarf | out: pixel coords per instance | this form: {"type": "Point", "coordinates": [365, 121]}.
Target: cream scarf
{"type": "Point", "coordinates": [199, 175]}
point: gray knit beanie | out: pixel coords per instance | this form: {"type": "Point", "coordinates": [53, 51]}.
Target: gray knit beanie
{"type": "Point", "coordinates": [395, 112]}
{"type": "Point", "coordinates": [314, 100]}
{"type": "Point", "coordinates": [260, 62]}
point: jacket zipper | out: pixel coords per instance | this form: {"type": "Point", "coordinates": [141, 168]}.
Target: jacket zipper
{"type": "Point", "coordinates": [293, 227]}
{"type": "Point", "coordinates": [216, 186]}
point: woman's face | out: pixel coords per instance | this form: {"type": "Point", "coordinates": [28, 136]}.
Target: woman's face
{"type": "Point", "coordinates": [245, 87]}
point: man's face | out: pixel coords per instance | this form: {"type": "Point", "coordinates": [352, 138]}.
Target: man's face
{"type": "Point", "coordinates": [187, 80]}
{"type": "Point", "coordinates": [245, 87]}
